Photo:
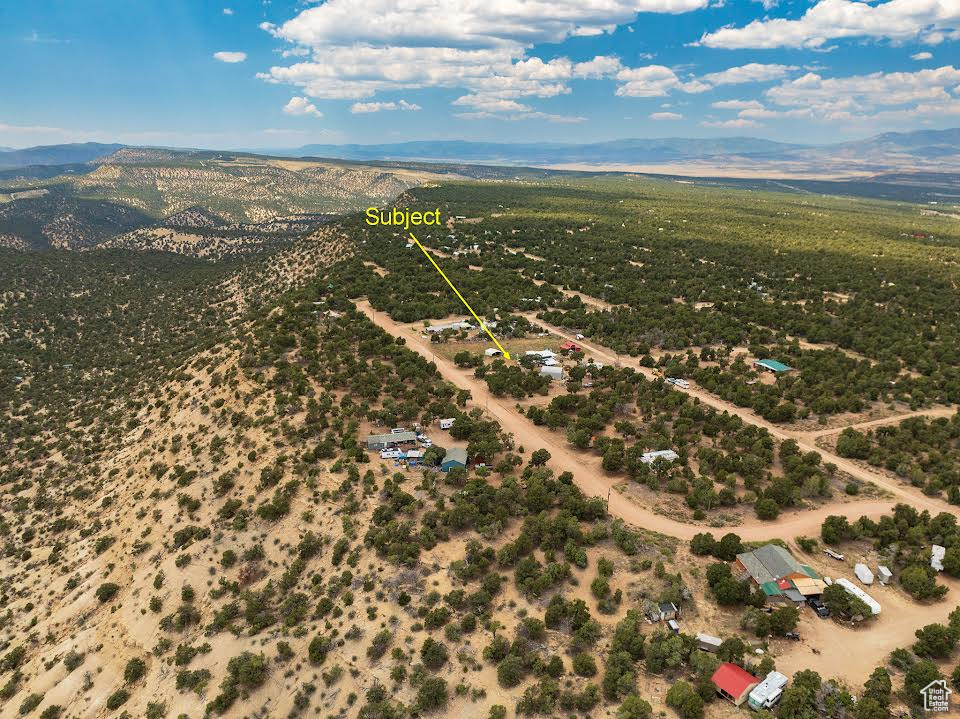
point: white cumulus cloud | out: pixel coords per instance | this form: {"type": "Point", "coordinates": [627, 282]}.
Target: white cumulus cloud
{"type": "Point", "coordinates": [301, 106]}
{"type": "Point", "coordinates": [751, 72]}
{"type": "Point", "coordinates": [922, 56]}
{"type": "Point", "coordinates": [739, 122]}
{"type": "Point", "coordinates": [353, 50]}
{"type": "Point", "coordinates": [930, 21]}
{"type": "Point", "coordinates": [366, 107]}
{"type": "Point", "coordinates": [230, 57]}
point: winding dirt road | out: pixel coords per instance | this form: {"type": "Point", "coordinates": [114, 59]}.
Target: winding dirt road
{"type": "Point", "coordinates": [594, 481]}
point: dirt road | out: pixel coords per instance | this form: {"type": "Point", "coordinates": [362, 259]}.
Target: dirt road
{"type": "Point", "coordinates": [805, 440]}
{"type": "Point", "coordinates": [835, 642]}
{"type": "Point", "coordinates": [586, 469]}
{"type": "Point", "coordinates": [932, 413]}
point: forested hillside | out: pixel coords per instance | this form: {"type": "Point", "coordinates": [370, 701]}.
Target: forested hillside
{"type": "Point", "coordinates": [193, 524]}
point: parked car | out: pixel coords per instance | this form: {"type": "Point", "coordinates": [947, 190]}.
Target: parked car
{"type": "Point", "coordinates": [819, 607]}
{"type": "Point", "coordinates": [793, 636]}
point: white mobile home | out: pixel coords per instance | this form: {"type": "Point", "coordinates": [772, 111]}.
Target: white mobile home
{"type": "Point", "coordinates": [853, 589]}
{"type": "Point", "coordinates": [651, 457]}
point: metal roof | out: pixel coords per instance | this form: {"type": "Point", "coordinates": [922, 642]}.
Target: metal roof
{"type": "Point", "coordinates": [772, 562]}
{"type": "Point", "coordinates": [733, 680]}
{"type": "Point", "coordinates": [773, 365]}
{"type": "Point", "coordinates": [392, 437]}
{"type": "Point", "coordinates": [456, 454]}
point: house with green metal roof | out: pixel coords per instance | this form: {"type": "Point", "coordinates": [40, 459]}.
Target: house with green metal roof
{"type": "Point", "coordinates": [771, 365]}
{"type": "Point", "coordinates": [770, 563]}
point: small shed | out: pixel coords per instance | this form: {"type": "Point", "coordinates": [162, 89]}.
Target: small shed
{"type": "Point", "coordinates": [668, 611]}
{"type": "Point", "coordinates": [708, 642]}
{"type": "Point", "coordinates": [570, 347]}
{"type": "Point", "coordinates": [674, 626]}
{"type": "Point", "coordinates": [447, 422]}
{"type": "Point", "coordinates": [492, 352]}
{"type": "Point", "coordinates": [771, 365]}
{"type": "Point", "coordinates": [863, 574]}
{"type": "Point", "coordinates": [884, 574]}
{"type": "Point", "coordinates": [733, 682]}
{"type": "Point", "coordinates": [455, 457]}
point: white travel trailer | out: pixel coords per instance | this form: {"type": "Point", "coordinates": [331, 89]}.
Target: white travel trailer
{"type": "Point", "coordinates": [768, 692]}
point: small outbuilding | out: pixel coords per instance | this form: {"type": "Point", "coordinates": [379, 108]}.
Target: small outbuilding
{"type": "Point", "coordinates": [447, 422]}
{"type": "Point", "coordinates": [570, 347]}
{"type": "Point", "coordinates": [863, 574]}
{"type": "Point", "coordinates": [708, 642]}
{"type": "Point", "coordinates": [492, 352]}
{"type": "Point", "coordinates": [733, 682]}
{"type": "Point", "coordinates": [937, 553]}
{"type": "Point", "coordinates": [884, 574]}
{"type": "Point", "coordinates": [455, 457]}
{"type": "Point", "coordinates": [668, 611]}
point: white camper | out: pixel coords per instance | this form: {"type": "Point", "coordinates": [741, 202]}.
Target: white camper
{"type": "Point", "coordinates": [768, 692]}
{"type": "Point", "coordinates": [884, 574]}
{"type": "Point", "coordinates": [446, 423]}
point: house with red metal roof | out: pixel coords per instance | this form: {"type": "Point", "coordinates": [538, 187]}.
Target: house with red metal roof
{"type": "Point", "coordinates": [733, 682]}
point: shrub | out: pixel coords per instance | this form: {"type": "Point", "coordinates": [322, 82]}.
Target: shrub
{"type": "Point", "coordinates": [105, 592]}
{"type": "Point", "coordinates": [688, 703]}
{"type": "Point", "coordinates": [510, 671]}
{"type": "Point", "coordinates": [117, 699]}
{"type": "Point", "coordinates": [432, 694]}
{"type": "Point", "coordinates": [134, 670]}
{"type": "Point", "coordinates": [433, 653]}
{"type": "Point", "coordinates": [31, 703]}
{"type": "Point", "coordinates": [584, 665]}
{"type": "Point", "coordinates": [318, 649]}
{"type": "Point", "coordinates": [634, 707]}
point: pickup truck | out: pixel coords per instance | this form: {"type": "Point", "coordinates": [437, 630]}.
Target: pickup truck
{"type": "Point", "coordinates": [819, 607]}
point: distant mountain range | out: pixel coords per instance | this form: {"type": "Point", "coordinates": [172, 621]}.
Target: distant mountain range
{"type": "Point", "coordinates": [69, 154]}
{"type": "Point", "coordinates": [928, 150]}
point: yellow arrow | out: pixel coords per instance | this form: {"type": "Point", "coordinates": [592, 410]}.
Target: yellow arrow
{"type": "Point", "coordinates": [465, 303]}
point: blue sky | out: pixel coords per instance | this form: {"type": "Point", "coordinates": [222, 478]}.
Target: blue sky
{"type": "Point", "coordinates": [257, 74]}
